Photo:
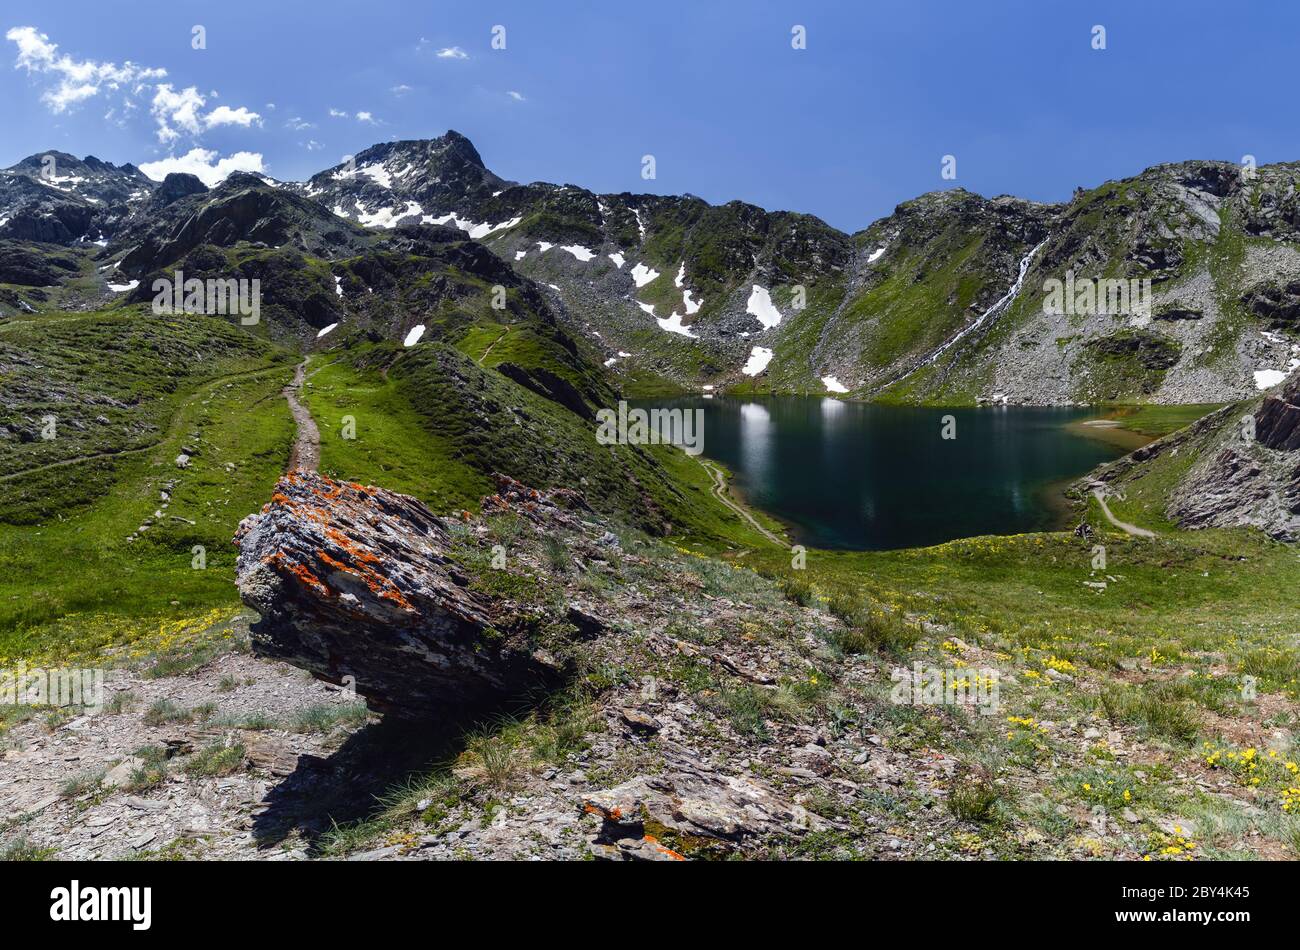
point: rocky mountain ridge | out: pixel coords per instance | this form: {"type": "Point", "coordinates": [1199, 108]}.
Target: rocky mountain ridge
{"type": "Point", "coordinates": [674, 292]}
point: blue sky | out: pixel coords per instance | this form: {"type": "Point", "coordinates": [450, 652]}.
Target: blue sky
{"type": "Point", "coordinates": [844, 129]}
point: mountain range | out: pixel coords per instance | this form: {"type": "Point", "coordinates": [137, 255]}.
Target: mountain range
{"type": "Point", "coordinates": [945, 301]}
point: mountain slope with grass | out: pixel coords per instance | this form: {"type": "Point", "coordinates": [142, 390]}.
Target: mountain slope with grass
{"type": "Point", "coordinates": [720, 698]}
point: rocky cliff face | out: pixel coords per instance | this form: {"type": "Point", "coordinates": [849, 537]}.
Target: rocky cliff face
{"type": "Point", "coordinates": [59, 198]}
{"type": "Point", "coordinates": [1251, 476]}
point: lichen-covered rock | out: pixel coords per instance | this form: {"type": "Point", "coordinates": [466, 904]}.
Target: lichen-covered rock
{"type": "Point", "coordinates": [354, 584]}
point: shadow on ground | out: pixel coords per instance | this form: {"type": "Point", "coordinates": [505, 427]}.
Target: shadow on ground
{"type": "Point", "coordinates": [348, 785]}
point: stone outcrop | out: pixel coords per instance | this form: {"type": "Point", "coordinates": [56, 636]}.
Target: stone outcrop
{"type": "Point", "coordinates": [1252, 477]}
{"type": "Point", "coordinates": [1277, 423]}
{"type": "Point", "coordinates": [355, 584]}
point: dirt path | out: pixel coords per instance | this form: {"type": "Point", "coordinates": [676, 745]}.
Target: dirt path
{"type": "Point", "coordinates": [1124, 526]}
{"type": "Point", "coordinates": [306, 443]}
{"type": "Point", "coordinates": [493, 346]}
{"type": "Point", "coordinates": [720, 492]}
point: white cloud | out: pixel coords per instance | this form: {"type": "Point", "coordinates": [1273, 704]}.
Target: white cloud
{"type": "Point", "coordinates": [204, 163]}
{"type": "Point", "coordinates": [224, 115]}
{"type": "Point", "coordinates": [452, 52]}
{"type": "Point", "coordinates": [338, 114]}
{"type": "Point", "coordinates": [400, 89]}
{"type": "Point", "coordinates": [175, 111]}
{"type": "Point", "coordinates": [314, 146]}
{"type": "Point", "coordinates": [299, 124]}
{"type": "Point", "coordinates": [78, 79]}
{"type": "Point", "coordinates": [171, 108]}
{"type": "Point", "coordinates": [518, 97]}
{"type": "Point", "coordinates": [365, 117]}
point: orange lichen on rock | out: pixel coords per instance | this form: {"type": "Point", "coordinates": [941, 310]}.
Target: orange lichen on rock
{"type": "Point", "coordinates": [335, 563]}
{"type": "Point", "coordinates": [662, 850]}
{"type": "Point", "coordinates": [356, 551]}
{"type": "Point", "coordinates": [297, 570]}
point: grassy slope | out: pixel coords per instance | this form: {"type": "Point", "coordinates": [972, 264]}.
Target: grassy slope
{"type": "Point", "coordinates": [431, 422]}
{"type": "Point", "coordinates": [72, 582]}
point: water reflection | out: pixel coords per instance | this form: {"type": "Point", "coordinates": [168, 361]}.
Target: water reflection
{"type": "Point", "coordinates": [755, 438]}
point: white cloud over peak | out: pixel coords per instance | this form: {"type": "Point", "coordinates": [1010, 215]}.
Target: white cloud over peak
{"type": "Point", "coordinates": [205, 164]}
{"type": "Point", "coordinates": [175, 111]}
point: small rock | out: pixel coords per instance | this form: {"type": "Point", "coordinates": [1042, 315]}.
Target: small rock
{"type": "Point", "coordinates": [120, 774]}
{"type": "Point", "coordinates": [638, 721]}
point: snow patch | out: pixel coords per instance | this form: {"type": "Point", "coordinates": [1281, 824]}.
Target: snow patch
{"type": "Point", "coordinates": [378, 174]}
{"type": "Point", "coordinates": [474, 230]}
{"type": "Point", "coordinates": [386, 217]}
{"type": "Point", "coordinates": [1268, 378]}
{"type": "Point", "coordinates": [759, 357]}
{"type": "Point", "coordinates": [580, 252]}
{"type": "Point", "coordinates": [320, 333]}
{"type": "Point", "coordinates": [413, 337]}
{"type": "Point", "coordinates": [338, 286]}
{"type": "Point", "coordinates": [760, 306]}
{"type": "Point", "coordinates": [123, 288]}
{"type": "Point", "coordinates": [833, 385]}
{"type": "Point", "coordinates": [875, 255]}
{"type": "Point", "coordinates": [616, 258]}
{"type": "Point", "coordinates": [642, 275]}
{"type": "Point", "coordinates": [520, 255]}
{"type": "Point", "coordinates": [674, 325]}
{"type": "Point", "coordinates": [483, 230]}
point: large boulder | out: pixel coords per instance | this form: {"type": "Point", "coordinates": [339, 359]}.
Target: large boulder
{"type": "Point", "coordinates": [1277, 423]}
{"type": "Point", "coordinates": [355, 584]}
